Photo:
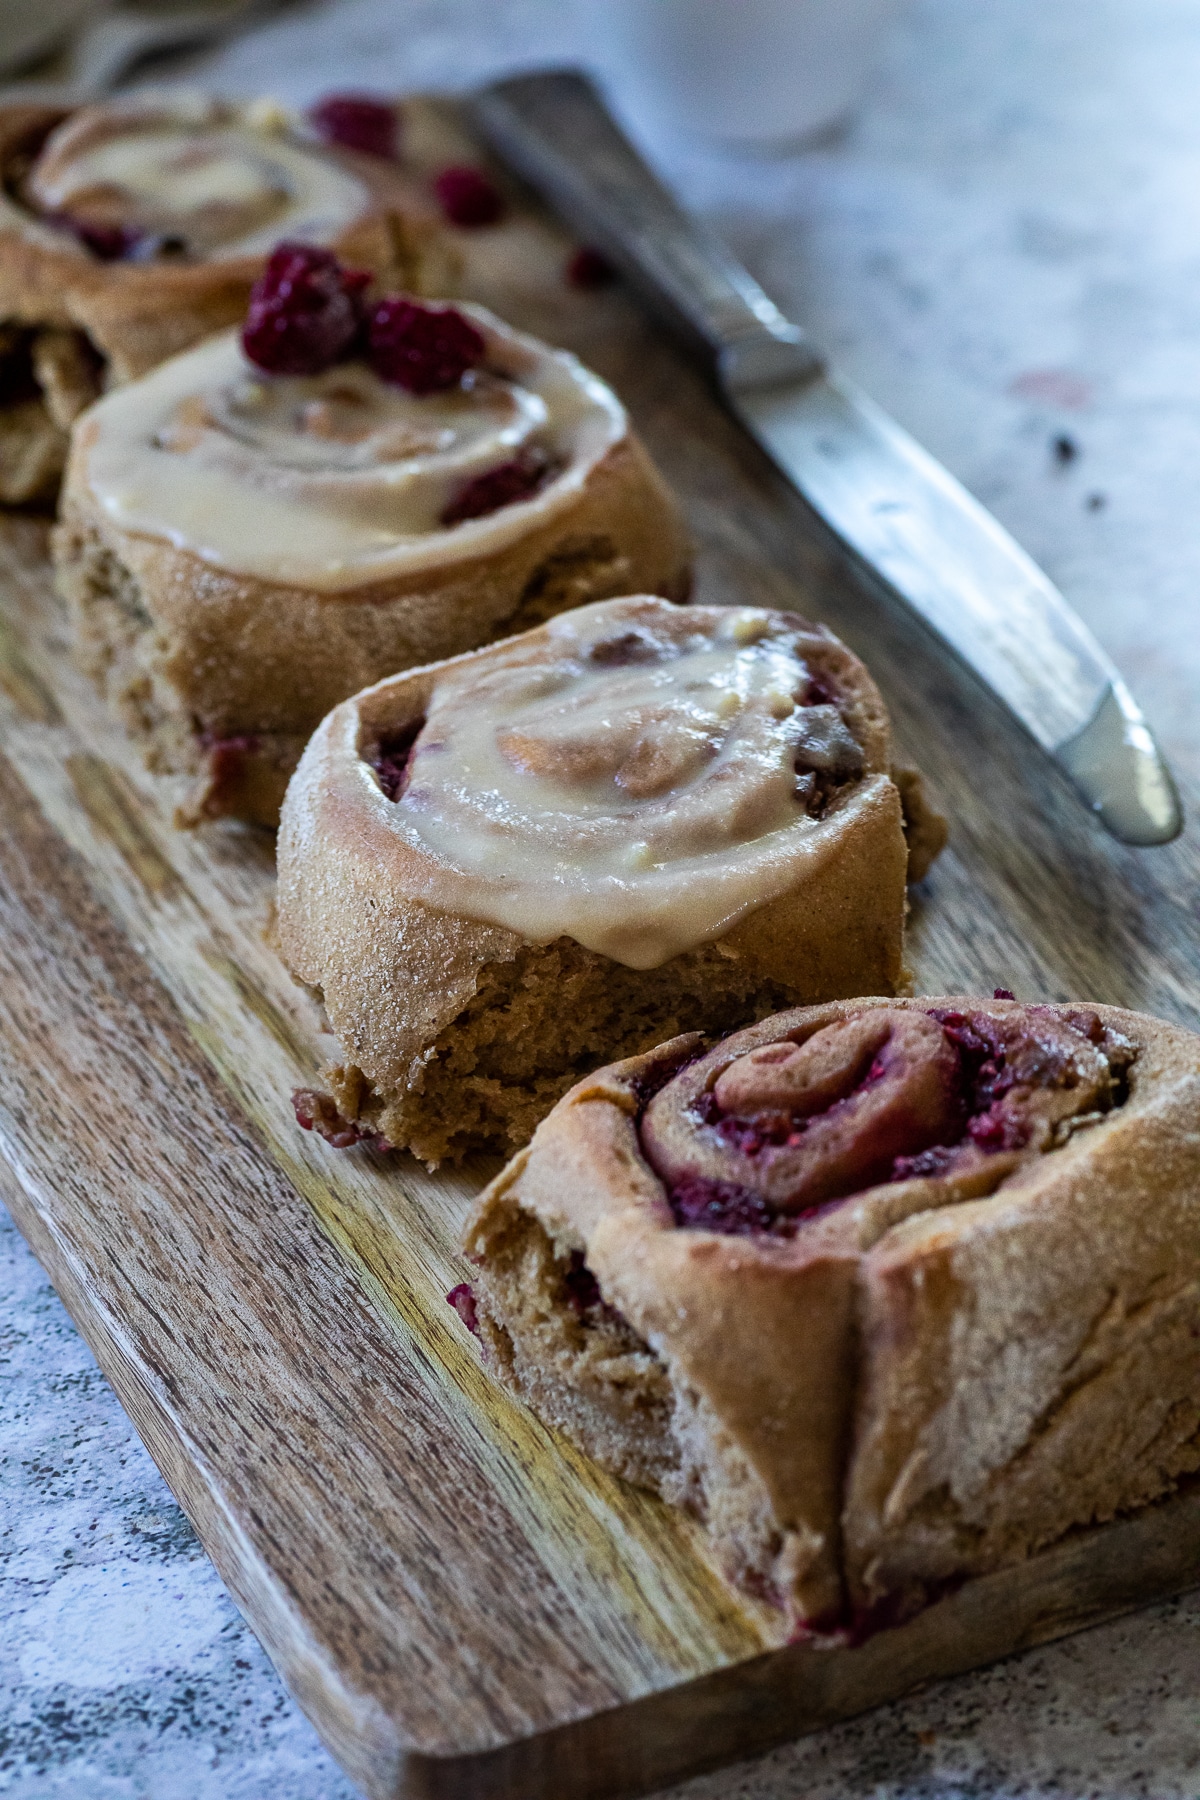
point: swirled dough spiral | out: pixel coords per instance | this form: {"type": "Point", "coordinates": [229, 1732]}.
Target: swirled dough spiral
{"type": "Point", "coordinates": [638, 781]}
{"type": "Point", "coordinates": [333, 480]}
{"type": "Point", "coordinates": [210, 179]}
{"type": "Point", "coordinates": [893, 1293]}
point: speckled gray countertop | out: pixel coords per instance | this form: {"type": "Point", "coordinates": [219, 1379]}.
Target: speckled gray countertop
{"type": "Point", "coordinates": [1005, 248]}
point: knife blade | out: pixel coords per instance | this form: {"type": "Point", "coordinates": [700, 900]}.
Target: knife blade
{"type": "Point", "coordinates": [895, 510]}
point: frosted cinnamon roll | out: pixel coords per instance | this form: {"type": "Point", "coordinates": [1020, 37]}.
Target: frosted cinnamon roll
{"type": "Point", "coordinates": [132, 228]}
{"type": "Point", "coordinates": [890, 1293]}
{"type": "Point", "coordinates": [635, 820]}
{"type": "Point", "coordinates": [245, 545]}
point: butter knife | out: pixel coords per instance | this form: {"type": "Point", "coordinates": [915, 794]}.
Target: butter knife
{"type": "Point", "coordinates": [895, 510]}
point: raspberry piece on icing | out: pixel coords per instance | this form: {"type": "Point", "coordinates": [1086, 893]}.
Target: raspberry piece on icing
{"type": "Point", "coordinates": [423, 349]}
{"type": "Point", "coordinates": [357, 122]}
{"type": "Point", "coordinates": [305, 311]}
{"type": "Point", "coordinates": [517, 480]}
{"type": "Point", "coordinates": [469, 197]}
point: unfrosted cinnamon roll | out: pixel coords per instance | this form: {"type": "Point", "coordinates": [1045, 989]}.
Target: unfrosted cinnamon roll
{"type": "Point", "coordinates": [635, 820]}
{"type": "Point", "coordinates": [132, 228]}
{"type": "Point", "coordinates": [243, 549]}
{"type": "Point", "coordinates": [891, 1293]}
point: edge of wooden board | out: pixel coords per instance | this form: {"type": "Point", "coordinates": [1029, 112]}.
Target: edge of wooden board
{"type": "Point", "coordinates": [1029, 896]}
{"type": "Point", "coordinates": [682, 1731]}
{"type": "Point", "coordinates": [103, 1037]}
{"type": "Point", "coordinates": [1089, 1578]}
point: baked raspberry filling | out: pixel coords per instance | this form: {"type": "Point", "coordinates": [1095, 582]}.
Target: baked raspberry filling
{"type": "Point", "coordinates": [517, 480]}
{"type": "Point", "coordinates": [626, 648]}
{"type": "Point", "coordinates": [318, 1112]}
{"type": "Point", "coordinates": [582, 1293]}
{"type": "Point", "coordinates": [588, 269]}
{"type": "Point", "coordinates": [227, 758]}
{"type": "Point", "coordinates": [391, 757]}
{"type": "Point", "coordinates": [707, 1205]}
{"type": "Point", "coordinates": [462, 1299]}
{"type": "Point", "coordinates": [422, 349]}
{"type": "Point", "coordinates": [885, 1095]}
{"type": "Point", "coordinates": [305, 312]}
{"type": "Point", "coordinates": [109, 243]}
{"type": "Point", "coordinates": [469, 197]}
{"type": "Point", "coordinates": [357, 122]}
{"type": "Point", "coordinates": [829, 758]}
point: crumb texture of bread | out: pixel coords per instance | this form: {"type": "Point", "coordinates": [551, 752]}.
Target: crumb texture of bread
{"type": "Point", "coordinates": [754, 1455]}
{"type": "Point", "coordinates": [587, 1371]}
{"type": "Point", "coordinates": [533, 1026]}
{"type": "Point", "coordinates": [584, 1370]}
{"type": "Point", "coordinates": [918, 1386]}
{"type": "Point", "coordinates": [925, 830]}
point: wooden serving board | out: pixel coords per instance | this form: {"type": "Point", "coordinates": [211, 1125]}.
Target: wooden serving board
{"type": "Point", "coordinates": [462, 1603]}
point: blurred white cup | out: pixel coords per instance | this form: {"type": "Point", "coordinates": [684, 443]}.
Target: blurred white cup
{"type": "Point", "coordinates": [749, 71]}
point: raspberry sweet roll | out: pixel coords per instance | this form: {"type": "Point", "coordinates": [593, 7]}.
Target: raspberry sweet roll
{"type": "Point", "coordinates": [133, 228]}
{"type": "Point", "coordinates": [635, 820]}
{"type": "Point", "coordinates": [890, 1293]}
{"type": "Point", "coordinates": [268, 523]}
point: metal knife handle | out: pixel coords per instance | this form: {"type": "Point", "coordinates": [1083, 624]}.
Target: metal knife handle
{"type": "Point", "coordinates": [554, 129]}
{"type": "Point", "coordinates": [894, 509]}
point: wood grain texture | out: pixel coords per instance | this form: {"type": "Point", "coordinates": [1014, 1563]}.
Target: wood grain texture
{"type": "Point", "coordinates": [457, 1598]}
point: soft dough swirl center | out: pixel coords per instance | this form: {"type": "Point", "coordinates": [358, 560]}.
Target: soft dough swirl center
{"type": "Point", "coordinates": [888, 1094]}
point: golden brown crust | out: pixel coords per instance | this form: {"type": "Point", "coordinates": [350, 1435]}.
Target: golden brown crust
{"type": "Point", "coordinates": [390, 937]}
{"type": "Point", "coordinates": [186, 650]}
{"type": "Point", "coordinates": [1031, 1361]}
{"type": "Point", "coordinates": [920, 1394]}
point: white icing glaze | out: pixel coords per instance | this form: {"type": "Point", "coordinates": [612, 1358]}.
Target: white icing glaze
{"type": "Point", "coordinates": [226, 181]}
{"type": "Point", "coordinates": [640, 807]}
{"type": "Point", "coordinates": [331, 481]}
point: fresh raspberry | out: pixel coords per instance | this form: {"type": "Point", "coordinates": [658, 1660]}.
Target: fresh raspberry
{"type": "Point", "coordinates": [422, 349]}
{"type": "Point", "coordinates": [512, 481]}
{"type": "Point", "coordinates": [357, 122]}
{"type": "Point", "coordinates": [305, 311]}
{"type": "Point", "coordinates": [588, 269]}
{"type": "Point", "coordinates": [468, 196]}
